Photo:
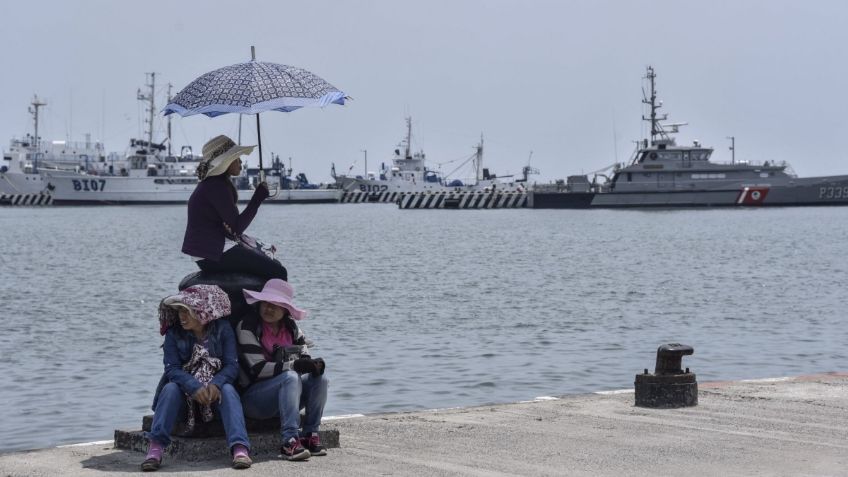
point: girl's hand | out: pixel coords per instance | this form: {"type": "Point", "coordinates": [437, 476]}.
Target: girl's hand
{"type": "Point", "coordinates": [262, 190]}
{"type": "Point", "coordinates": [201, 396]}
{"type": "Point", "coordinates": [213, 394]}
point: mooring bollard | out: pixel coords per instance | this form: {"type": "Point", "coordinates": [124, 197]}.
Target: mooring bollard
{"type": "Point", "coordinates": [669, 386]}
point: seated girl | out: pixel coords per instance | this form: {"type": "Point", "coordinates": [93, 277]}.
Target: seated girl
{"type": "Point", "coordinates": [277, 374]}
{"type": "Point", "coordinates": [201, 365]}
{"type": "Point", "coordinates": [214, 234]}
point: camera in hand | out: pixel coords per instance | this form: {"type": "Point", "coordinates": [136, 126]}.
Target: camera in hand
{"type": "Point", "coordinates": [286, 353]}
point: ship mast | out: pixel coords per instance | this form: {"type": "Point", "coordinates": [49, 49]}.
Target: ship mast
{"type": "Point", "coordinates": [656, 128]}
{"type": "Point", "coordinates": [478, 160]}
{"type": "Point", "coordinates": [659, 132]}
{"type": "Point", "coordinates": [169, 120]}
{"type": "Point", "coordinates": [408, 138]}
{"type": "Point", "coordinates": [151, 98]}
{"type": "Point", "coordinates": [36, 103]}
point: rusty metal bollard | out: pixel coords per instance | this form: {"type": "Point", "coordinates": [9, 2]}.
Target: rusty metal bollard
{"type": "Point", "coordinates": [669, 386]}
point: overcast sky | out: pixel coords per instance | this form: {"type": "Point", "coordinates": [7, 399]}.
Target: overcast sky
{"type": "Point", "coordinates": [560, 78]}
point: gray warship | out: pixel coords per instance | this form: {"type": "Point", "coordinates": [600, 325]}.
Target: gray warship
{"type": "Point", "coordinates": [662, 174]}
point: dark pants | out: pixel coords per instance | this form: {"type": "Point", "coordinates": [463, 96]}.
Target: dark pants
{"type": "Point", "coordinates": [244, 260]}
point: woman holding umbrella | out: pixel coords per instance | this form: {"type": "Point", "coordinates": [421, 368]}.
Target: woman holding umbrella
{"type": "Point", "coordinates": [243, 88]}
{"type": "Point", "coordinates": [215, 225]}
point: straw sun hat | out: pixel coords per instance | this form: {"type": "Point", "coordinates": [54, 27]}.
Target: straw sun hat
{"type": "Point", "coordinates": [218, 153]}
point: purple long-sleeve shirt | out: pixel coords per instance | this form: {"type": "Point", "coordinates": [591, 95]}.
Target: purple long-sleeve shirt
{"type": "Point", "coordinates": [210, 206]}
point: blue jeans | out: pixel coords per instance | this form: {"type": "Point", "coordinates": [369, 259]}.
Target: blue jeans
{"type": "Point", "coordinates": [171, 406]}
{"type": "Point", "coordinates": [284, 395]}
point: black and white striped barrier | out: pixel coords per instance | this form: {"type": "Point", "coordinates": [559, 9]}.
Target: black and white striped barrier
{"type": "Point", "coordinates": [463, 200]}
{"type": "Point", "coordinates": [357, 197]}
{"type": "Point", "coordinates": [41, 198]}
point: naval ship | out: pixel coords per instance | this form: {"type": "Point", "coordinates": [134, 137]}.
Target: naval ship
{"type": "Point", "coordinates": [34, 172]}
{"type": "Point", "coordinates": [663, 174]}
{"type": "Point", "coordinates": [409, 175]}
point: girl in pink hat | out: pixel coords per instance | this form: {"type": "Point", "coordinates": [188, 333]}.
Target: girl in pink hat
{"type": "Point", "coordinates": [277, 374]}
{"type": "Point", "coordinates": [201, 366]}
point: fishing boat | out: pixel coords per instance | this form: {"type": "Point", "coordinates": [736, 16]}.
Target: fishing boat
{"type": "Point", "coordinates": [409, 174]}
{"type": "Point", "coordinates": [663, 174]}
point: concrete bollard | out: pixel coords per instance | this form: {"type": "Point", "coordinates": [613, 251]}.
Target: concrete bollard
{"type": "Point", "coordinates": [670, 386]}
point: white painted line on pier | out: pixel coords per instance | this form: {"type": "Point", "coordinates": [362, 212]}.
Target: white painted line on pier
{"type": "Point", "coordinates": [83, 444]}
{"type": "Point", "coordinates": [342, 416]}
{"type": "Point", "coordinates": [767, 380]}
{"type": "Point", "coordinates": [540, 399]}
{"type": "Point", "coordinates": [616, 391]}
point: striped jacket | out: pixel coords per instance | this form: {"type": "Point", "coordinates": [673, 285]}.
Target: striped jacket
{"type": "Point", "coordinates": [253, 366]}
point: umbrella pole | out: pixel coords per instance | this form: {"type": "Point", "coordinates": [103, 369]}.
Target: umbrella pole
{"type": "Point", "coordinates": [259, 141]}
{"type": "Point", "coordinates": [261, 169]}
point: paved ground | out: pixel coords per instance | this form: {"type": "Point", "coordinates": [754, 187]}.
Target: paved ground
{"type": "Point", "coordinates": [792, 427]}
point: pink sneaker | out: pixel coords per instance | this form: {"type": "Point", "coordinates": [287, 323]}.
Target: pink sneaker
{"type": "Point", "coordinates": [312, 443]}
{"type": "Point", "coordinates": [292, 450]}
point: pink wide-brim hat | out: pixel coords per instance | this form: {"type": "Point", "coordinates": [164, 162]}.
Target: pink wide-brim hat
{"type": "Point", "coordinates": [278, 292]}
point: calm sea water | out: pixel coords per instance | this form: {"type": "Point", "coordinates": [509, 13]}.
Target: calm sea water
{"type": "Point", "coordinates": [424, 309]}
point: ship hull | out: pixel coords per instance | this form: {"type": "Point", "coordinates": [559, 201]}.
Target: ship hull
{"type": "Point", "coordinates": [366, 190]}
{"type": "Point", "coordinates": [20, 183]}
{"type": "Point", "coordinates": [813, 191]}
{"type": "Point", "coordinates": [116, 190]}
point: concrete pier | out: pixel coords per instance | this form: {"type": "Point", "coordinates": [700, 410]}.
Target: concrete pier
{"type": "Point", "coordinates": [788, 426]}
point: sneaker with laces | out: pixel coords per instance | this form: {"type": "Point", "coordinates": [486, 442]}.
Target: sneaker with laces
{"type": "Point", "coordinates": [312, 443]}
{"type": "Point", "coordinates": [292, 450]}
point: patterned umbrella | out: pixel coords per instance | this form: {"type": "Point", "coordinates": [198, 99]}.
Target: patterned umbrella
{"type": "Point", "coordinates": [251, 88]}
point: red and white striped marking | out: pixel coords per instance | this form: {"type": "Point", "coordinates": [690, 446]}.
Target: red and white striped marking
{"type": "Point", "coordinates": [752, 196]}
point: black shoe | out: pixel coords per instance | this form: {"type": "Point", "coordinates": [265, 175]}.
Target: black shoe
{"type": "Point", "coordinates": [292, 450]}
{"type": "Point", "coordinates": [312, 443]}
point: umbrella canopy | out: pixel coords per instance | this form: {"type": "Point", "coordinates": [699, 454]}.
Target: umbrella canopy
{"type": "Point", "coordinates": [251, 88]}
